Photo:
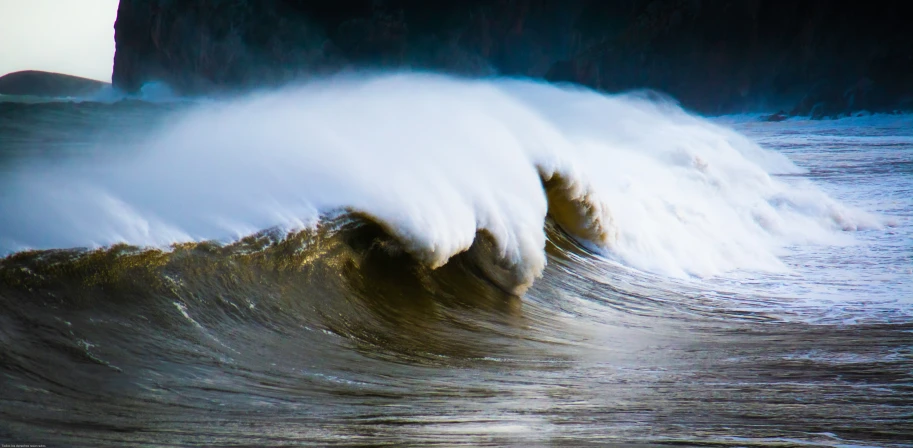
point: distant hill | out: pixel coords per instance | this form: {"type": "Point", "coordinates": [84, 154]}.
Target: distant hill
{"type": "Point", "coordinates": [37, 83]}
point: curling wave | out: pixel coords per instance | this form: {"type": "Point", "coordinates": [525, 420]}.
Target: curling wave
{"type": "Point", "coordinates": [445, 166]}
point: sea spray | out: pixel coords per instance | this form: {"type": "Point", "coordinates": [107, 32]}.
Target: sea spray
{"type": "Point", "coordinates": [437, 160]}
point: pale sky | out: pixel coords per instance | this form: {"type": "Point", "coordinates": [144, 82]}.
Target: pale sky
{"type": "Point", "coordinates": [75, 37]}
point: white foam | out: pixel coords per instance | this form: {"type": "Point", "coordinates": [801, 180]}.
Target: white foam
{"type": "Point", "coordinates": [437, 159]}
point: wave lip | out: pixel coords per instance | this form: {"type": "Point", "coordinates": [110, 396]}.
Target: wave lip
{"type": "Point", "coordinates": [437, 162]}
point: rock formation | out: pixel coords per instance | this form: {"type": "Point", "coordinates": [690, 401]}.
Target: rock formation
{"type": "Point", "coordinates": [814, 57]}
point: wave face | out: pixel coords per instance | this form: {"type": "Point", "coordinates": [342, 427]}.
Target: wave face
{"type": "Point", "coordinates": [438, 160]}
{"type": "Point", "coordinates": [415, 259]}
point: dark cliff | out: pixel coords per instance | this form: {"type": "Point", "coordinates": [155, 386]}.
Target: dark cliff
{"type": "Point", "coordinates": [814, 57]}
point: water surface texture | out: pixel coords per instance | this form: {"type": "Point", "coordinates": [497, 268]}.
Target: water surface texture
{"type": "Point", "coordinates": [413, 259]}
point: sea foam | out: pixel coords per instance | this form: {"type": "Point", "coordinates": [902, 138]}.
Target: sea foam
{"type": "Point", "coordinates": [437, 160]}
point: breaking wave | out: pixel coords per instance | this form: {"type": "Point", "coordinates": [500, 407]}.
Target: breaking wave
{"type": "Point", "coordinates": [416, 259]}
{"type": "Point", "coordinates": [440, 164]}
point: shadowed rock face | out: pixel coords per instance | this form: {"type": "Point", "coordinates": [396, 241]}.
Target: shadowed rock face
{"type": "Point", "coordinates": [38, 83]}
{"type": "Point", "coordinates": [812, 57]}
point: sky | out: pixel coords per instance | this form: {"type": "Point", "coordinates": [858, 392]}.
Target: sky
{"type": "Point", "coordinates": [75, 37]}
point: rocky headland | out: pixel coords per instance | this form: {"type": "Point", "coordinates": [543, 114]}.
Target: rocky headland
{"type": "Point", "coordinates": [817, 58]}
{"type": "Point", "coordinates": [47, 84]}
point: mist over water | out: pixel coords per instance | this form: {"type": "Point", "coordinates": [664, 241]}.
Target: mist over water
{"type": "Point", "coordinates": [417, 259]}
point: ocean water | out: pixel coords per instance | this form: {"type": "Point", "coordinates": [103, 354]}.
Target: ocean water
{"type": "Point", "coordinates": [416, 259]}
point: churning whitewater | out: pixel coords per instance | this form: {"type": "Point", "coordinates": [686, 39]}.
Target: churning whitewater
{"type": "Point", "coordinates": [438, 161]}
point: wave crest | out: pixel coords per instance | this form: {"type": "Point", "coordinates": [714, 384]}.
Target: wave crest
{"type": "Point", "coordinates": [439, 162]}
